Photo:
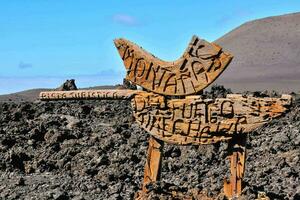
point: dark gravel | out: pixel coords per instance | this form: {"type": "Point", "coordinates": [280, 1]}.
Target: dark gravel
{"type": "Point", "coordinates": [92, 150]}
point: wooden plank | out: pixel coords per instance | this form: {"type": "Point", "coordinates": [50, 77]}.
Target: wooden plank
{"type": "Point", "coordinates": [87, 94]}
{"type": "Point", "coordinates": [237, 151]}
{"type": "Point", "coordinates": [153, 162]}
{"type": "Point", "coordinates": [191, 120]}
{"type": "Point", "coordinates": [199, 66]}
{"type": "Point", "coordinates": [204, 121]}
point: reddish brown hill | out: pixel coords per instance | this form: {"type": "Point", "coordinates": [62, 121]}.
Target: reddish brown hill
{"type": "Point", "coordinates": [267, 54]}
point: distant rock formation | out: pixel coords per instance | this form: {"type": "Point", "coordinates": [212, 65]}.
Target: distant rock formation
{"type": "Point", "coordinates": [68, 85]}
{"type": "Point", "coordinates": [126, 85]}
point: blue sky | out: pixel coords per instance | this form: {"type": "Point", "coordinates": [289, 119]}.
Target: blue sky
{"type": "Point", "coordinates": [44, 42]}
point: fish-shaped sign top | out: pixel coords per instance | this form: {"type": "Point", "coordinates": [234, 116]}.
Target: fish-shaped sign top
{"type": "Point", "coordinates": [199, 66]}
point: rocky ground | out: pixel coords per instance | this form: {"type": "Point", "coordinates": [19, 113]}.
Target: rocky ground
{"type": "Point", "coordinates": [93, 150]}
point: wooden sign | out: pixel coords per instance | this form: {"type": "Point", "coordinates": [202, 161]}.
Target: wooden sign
{"type": "Point", "coordinates": [87, 94]}
{"type": "Point", "coordinates": [187, 119]}
{"type": "Point", "coordinates": [199, 66]}
{"type": "Point", "coordinates": [204, 121]}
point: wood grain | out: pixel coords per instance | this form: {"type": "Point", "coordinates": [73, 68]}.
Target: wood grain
{"type": "Point", "coordinates": [193, 120]}
{"type": "Point", "coordinates": [87, 94]}
{"type": "Point", "coordinates": [199, 66]}
{"type": "Point", "coordinates": [237, 155]}
{"type": "Point", "coordinates": [153, 163]}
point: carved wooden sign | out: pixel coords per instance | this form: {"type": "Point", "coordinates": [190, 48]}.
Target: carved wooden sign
{"type": "Point", "coordinates": [87, 94]}
{"type": "Point", "coordinates": [191, 120]}
{"type": "Point", "coordinates": [200, 65]}
{"type": "Point", "coordinates": [186, 119]}
{"type": "Point", "coordinates": [204, 121]}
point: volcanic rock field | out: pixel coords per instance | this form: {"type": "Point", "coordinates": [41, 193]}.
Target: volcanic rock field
{"type": "Point", "coordinates": [94, 150]}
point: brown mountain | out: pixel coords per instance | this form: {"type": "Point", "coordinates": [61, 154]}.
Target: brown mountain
{"type": "Point", "coordinates": [266, 54]}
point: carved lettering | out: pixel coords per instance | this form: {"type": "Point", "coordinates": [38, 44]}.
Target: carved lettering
{"type": "Point", "coordinates": [227, 109]}
{"type": "Point", "coordinates": [87, 94]}
{"type": "Point", "coordinates": [197, 121]}
{"type": "Point", "coordinates": [188, 75]}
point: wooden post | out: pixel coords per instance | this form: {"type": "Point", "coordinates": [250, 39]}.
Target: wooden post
{"type": "Point", "coordinates": [153, 162]}
{"type": "Point", "coordinates": [237, 147]}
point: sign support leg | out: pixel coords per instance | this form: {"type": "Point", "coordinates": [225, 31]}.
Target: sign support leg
{"type": "Point", "coordinates": [237, 147]}
{"type": "Point", "coordinates": [153, 162]}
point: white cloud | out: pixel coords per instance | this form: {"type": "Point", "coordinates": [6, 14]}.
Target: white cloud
{"type": "Point", "coordinates": [125, 19]}
{"type": "Point", "coordinates": [23, 65]}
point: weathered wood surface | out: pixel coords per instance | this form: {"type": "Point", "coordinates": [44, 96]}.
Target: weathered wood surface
{"type": "Point", "coordinates": [204, 121]}
{"type": "Point", "coordinates": [237, 156]}
{"type": "Point", "coordinates": [199, 66]}
{"type": "Point", "coordinates": [87, 94]}
{"type": "Point", "coordinates": [153, 163]}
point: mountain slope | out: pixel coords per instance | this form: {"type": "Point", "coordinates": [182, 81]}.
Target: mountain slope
{"type": "Point", "coordinates": [266, 54]}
